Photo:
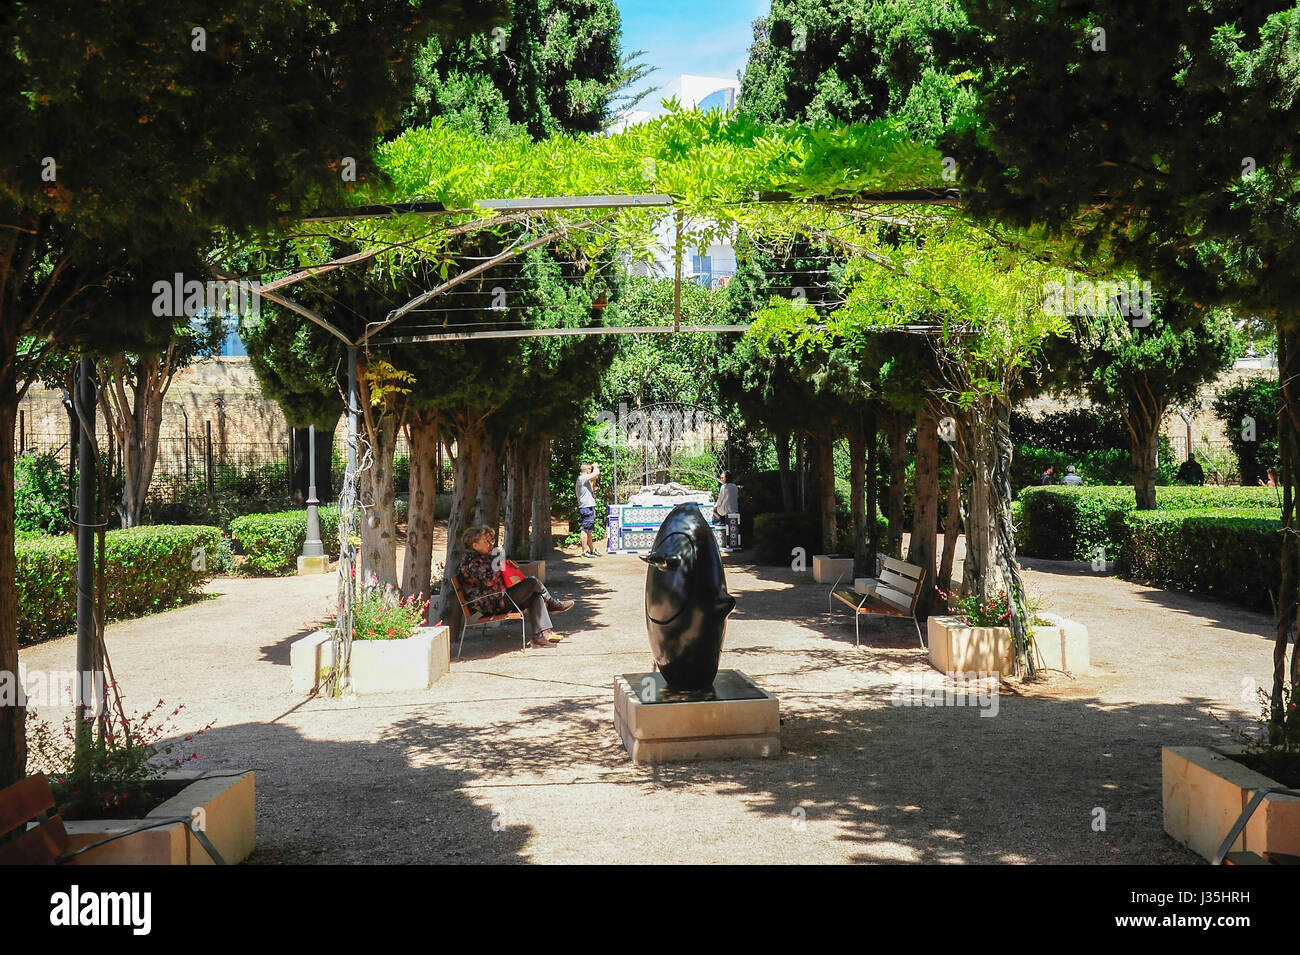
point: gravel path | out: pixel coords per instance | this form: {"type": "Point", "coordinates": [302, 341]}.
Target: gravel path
{"type": "Point", "coordinates": [513, 755]}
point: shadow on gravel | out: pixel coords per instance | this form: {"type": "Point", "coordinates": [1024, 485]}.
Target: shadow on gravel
{"type": "Point", "coordinates": [358, 803]}
{"type": "Point", "coordinates": [278, 652]}
{"type": "Point", "coordinates": [917, 784]}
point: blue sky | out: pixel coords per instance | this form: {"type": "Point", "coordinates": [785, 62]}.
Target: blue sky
{"type": "Point", "coordinates": [705, 37]}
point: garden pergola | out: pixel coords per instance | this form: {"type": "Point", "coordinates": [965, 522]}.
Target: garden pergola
{"type": "Point", "coordinates": [509, 211]}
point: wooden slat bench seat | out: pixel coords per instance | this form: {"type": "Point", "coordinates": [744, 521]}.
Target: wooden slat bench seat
{"type": "Point", "coordinates": [896, 593]}
{"type": "Point", "coordinates": [474, 618]}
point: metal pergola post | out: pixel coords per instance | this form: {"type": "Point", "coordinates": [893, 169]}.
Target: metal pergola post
{"type": "Point", "coordinates": [84, 396]}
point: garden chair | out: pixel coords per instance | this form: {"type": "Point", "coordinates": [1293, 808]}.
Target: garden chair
{"type": "Point", "coordinates": [28, 806]}
{"type": "Point", "coordinates": [474, 618]}
{"type": "Point", "coordinates": [895, 595]}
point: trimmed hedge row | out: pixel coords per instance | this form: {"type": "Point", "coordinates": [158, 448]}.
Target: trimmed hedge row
{"type": "Point", "coordinates": [272, 542]}
{"type": "Point", "coordinates": [147, 569]}
{"type": "Point", "coordinates": [1234, 554]}
{"type": "Point", "coordinates": [1068, 523]}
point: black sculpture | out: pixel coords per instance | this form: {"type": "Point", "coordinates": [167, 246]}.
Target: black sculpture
{"type": "Point", "coordinates": [686, 600]}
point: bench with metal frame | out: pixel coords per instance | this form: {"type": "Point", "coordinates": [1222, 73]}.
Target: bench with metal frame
{"type": "Point", "coordinates": [28, 807]}
{"type": "Point", "coordinates": [475, 618]}
{"type": "Point", "coordinates": [898, 587]}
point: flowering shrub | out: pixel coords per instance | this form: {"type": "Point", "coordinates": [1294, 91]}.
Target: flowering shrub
{"type": "Point", "coordinates": [386, 615]}
{"type": "Point", "coordinates": [974, 613]}
{"type": "Point", "coordinates": [995, 612]}
{"type": "Point", "coordinates": [109, 770]}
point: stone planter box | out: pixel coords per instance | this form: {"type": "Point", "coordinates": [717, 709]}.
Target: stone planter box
{"type": "Point", "coordinates": [533, 568]}
{"type": "Point", "coordinates": [828, 567]}
{"type": "Point", "coordinates": [1204, 794]}
{"type": "Point", "coordinates": [222, 805]}
{"type": "Point", "coordinates": [378, 666]}
{"type": "Point", "coordinates": [957, 648]}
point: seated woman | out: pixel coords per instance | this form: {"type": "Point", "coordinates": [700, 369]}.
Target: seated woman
{"type": "Point", "coordinates": [480, 577]}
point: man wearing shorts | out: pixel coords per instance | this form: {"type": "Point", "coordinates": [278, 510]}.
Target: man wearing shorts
{"type": "Point", "coordinates": [587, 475]}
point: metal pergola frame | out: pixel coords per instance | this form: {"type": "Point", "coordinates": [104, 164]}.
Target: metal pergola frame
{"type": "Point", "coordinates": [515, 210]}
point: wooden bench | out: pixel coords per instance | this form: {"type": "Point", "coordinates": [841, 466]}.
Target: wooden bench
{"type": "Point", "coordinates": [27, 807]}
{"type": "Point", "coordinates": [897, 590]}
{"type": "Point", "coordinates": [474, 618]}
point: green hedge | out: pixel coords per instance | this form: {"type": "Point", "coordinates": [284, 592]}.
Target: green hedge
{"type": "Point", "coordinates": [272, 542]}
{"type": "Point", "coordinates": [1234, 554]}
{"type": "Point", "coordinates": [1067, 523]}
{"type": "Point", "coordinates": [776, 534]}
{"type": "Point", "coordinates": [147, 569]}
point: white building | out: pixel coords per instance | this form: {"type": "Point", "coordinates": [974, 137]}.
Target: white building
{"type": "Point", "coordinates": [712, 266]}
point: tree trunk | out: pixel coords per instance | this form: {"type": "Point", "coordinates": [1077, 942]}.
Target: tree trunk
{"type": "Point", "coordinates": [541, 472]}
{"type": "Point", "coordinates": [487, 510]}
{"type": "Point", "coordinates": [417, 569]}
{"type": "Point", "coordinates": [379, 515]}
{"type": "Point", "coordinates": [800, 471]}
{"type": "Point", "coordinates": [1144, 436]}
{"type": "Point", "coordinates": [897, 481]}
{"type": "Point", "coordinates": [863, 565]}
{"type": "Point", "coordinates": [872, 434]}
{"type": "Point", "coordinates": [822, 451]}
{"type": "Point", "coordinates": [979, 570]}
{"type": "Point", "coordinates": [1288, 599]}
{"type": "Point", "coordinates": [135, 425]}
{"type": "Point", "coordinates": [925, 522]}
{"type": "Point", "coordinates": [518, 484]}
{"type": "Point", "coordinates": [464, 491]}
{"type": "Point", "coordinates": [13, 728]}
{"type": "Point", "coordinates": [1000, 471]}
{"type": "Point", "coordinates": [783, 471]}
{"type": "Point", "coordinates": [951, 529]}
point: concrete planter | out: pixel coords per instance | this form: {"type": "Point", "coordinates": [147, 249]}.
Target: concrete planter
{"type": "Point", "coordinates": [378, 666]}
{"type": "Point", "coordinates": [533, 568]}
{"type": "Point", "coordinates": [1204, 794]}
{"type": "Point", "coordinates": [827, 568]}
{"type": "Point", "coordinates": [957, 648]}
{"type": "Point", "coordinates": [222, 806]}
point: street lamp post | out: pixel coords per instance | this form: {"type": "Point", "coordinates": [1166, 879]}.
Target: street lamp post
{"type": "Point", "coordinates": [313, 559]}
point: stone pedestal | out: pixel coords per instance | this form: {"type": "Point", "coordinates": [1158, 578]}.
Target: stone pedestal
{"type": "Point", "coordinates": [735, 719]}
{"type": "Point", "coordinates": [319, 564]}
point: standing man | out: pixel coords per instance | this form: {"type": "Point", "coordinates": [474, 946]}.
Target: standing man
{"type": "Point", "coordinates": [585, 487]}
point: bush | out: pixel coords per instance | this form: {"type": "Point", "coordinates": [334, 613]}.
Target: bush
{"type": "Point", "coordinates": [1255, 398]}
{"type": "Point", "coordinates": [1068, 523]}
{"type": "Point", "coordinates": [40, 493]}
{"type": "Point", "coordinates": [272, 542]}
{"type": "Point", "coordinates": [147, 569]}
{"type": "Point", "coordinates": [776, 535]}
{"type": "Point", "coordinates": [1074, 433]}
{"type": "Point", "coordinates": [194, 504]}
{"type": "Point", "coordinates": [1229, 553]}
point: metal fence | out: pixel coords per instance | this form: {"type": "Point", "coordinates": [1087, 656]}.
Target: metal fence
{"type": "Point", "coordinates": [262, 468]}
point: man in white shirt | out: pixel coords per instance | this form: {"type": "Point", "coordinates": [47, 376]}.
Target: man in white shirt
{"type": "Point", "coordinates": [587, 475]}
